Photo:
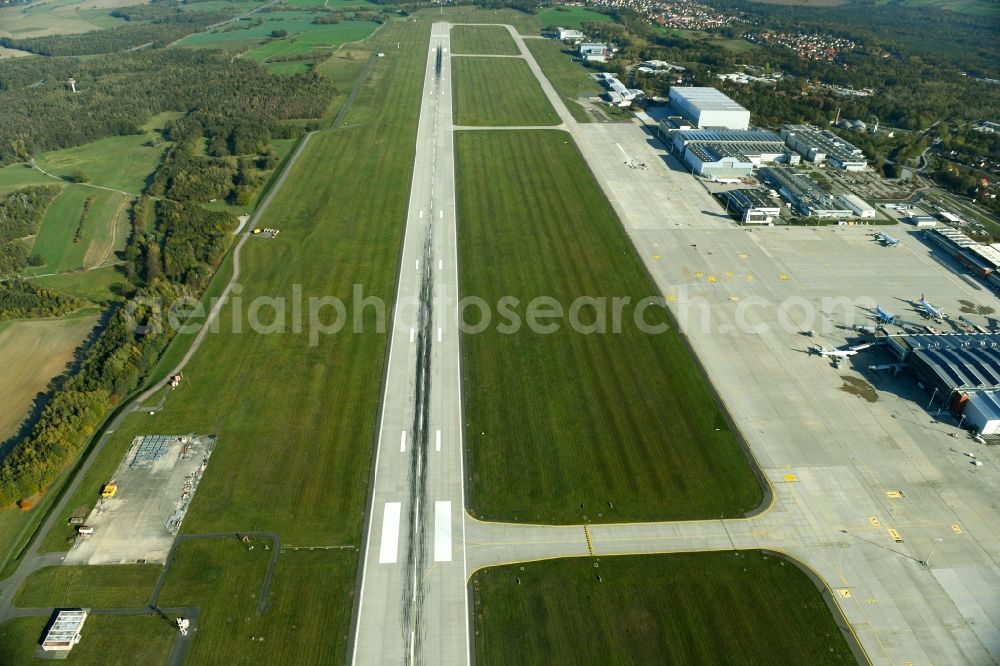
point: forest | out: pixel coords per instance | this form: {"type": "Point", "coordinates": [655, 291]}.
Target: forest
{"type": "Point", "coordinates": [21, 214]}
{"type": "Point", "coordinates": [20, 299]}
{"type": "Point", "coordinates": [117, 94]}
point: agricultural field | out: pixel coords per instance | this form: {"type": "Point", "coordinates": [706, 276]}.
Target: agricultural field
{"type": "Point", "coordinates": [569, 17]}
{"type": "Point", "coordinates": [117, 162]}
{"type": "Point", "coordinates": [96, 285]}
{"type": "Point", "coordinates": [59, 17]}
{"type": "Point", "coordinates": [324, 249]}
{"type": "Point", "coordinates": [312, 41]}
{"type": "Point", "coordinates": [32, 352]}
{"type": "Point", "coordinates": [569, 78]}
{"type": "Point", "coordinates": [304, 623]}
{"type": "Point", "coordinates": [565, 426]}
{"type": "Point", "coordinates": [131, 635]}
{"type": "Point", "coordinates": [103, 230]}
{"type": "Point", "coordinates": [109, 586]}
{"type": "Point", "coordinates": [498, 91]}
{"type": "Point", "coordinates": [744, 607]}
{"type": "Point", "coordinates": [482, 40]}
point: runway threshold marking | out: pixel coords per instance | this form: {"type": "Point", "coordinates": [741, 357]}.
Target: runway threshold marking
{"type": "Point", "coordinates": [402, 442]}
{"type": "Point", "coordinates": [387, 552]}
{"type": "Point", "coordinates": [442, 531]}
{"type": "Point", "coordinates": [590, 543]}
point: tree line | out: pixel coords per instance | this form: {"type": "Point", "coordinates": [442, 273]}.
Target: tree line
{"type": "Point", "coordinates": [20, 299]}
{"type": "Point", "coordinates": [21, 214]}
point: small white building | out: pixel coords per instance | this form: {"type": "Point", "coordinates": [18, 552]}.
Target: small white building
{"type": "Point", "coordinates": [982, 411]}
{"type": "Point", "coordinates": [594, 52]}
{"type": "Point", "coordinates": [570, 35]}
{"type": "Point", "coordinates": [65, 631]}
{"type": "Point", "coordinates": [858, 205]}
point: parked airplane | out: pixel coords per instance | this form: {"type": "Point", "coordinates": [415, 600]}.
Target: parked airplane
{"type": "Point", "coordinates": [883, 316]}
{"type": "Point", "coordinates": [886, 240]}
{"type": "Point", "coordinates": [929, 310]}
{"type": "Point", "coordinates": [840, 353]}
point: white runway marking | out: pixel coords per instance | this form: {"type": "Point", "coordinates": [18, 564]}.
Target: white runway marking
{"type": "Point", "coordinates": [418, 264]}
{"type": "Point", "coordinates": [412, 333]}
{"type": "Point", "coordinates": [402, 442]}
{"type": "Point", "coordinates": [442, 531]}
{"type": "Point", "coordinates": [440, 264]}
{"type": "Point", "coordinates": [421, 215]}
{"type": "Point", "coordinates": [437, 441]}
{"type": "Point", "coordinates": [439, 335]}
{"type": "Point", "coordinates": [442, 214]}
{"type": "Point", "coordinates": [390, 533]}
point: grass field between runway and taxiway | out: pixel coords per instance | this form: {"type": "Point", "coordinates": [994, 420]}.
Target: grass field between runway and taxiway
{"type": "Point", "coordinates": [743, 607]}
{"type": "Point", "coordinates": [109, 586]}
{"type": "Point", "coordinates": [498, 91]}
{"type": "Point", "coordinates": [295, 421]}
{"type": "Point", "coordinates": [482, 40]}
{"type": "Point", "coordinates": [565, 427]}
{"type": "Point", "coordinates": [568, 77]}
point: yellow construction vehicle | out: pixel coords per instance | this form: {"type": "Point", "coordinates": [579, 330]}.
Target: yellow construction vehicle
{"type": "Point", "coordinates": [109, 490]}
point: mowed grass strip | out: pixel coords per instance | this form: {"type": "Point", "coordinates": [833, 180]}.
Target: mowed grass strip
{"type": "Point", "coordinates": [111, 586]}
{"type": "Point", "coordinates": [482, 40]}
{"type": "Point", "coordinates": [569, 78]}
{"type": "Point", "coordinates": [566, 427]}
{"type": "Point", "coordinates": [693, 608]}
{"type": "Point", "coordinates": [307, 620]}
{"type": "Point", "coordinates": [498, 91]}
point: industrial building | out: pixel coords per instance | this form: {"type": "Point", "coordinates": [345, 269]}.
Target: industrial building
{"type": "Point", "coordinates": [806, 197]}
{"type": "Point", "coordinates": [709, 108]}
{"type": "Point", "coordinates": [858, 205]}
{"type": "Point", "coordinates": [618, 93]}
{"type": "Point", "coordinates": [984, 260]}
{"type": "Point", "coordinates": [818, 146]}
{"type": "Point", "coordinates": [725, 154]}
{"type": "Point", "coordinates": [750, 206]}
{"type": "Point", "coordinates": [65, 631]}
{"type": "Point", "coordinates": [594, 52]}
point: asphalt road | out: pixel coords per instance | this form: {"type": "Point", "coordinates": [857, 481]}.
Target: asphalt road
{"type": "Point", "coordinates": [412, 604]}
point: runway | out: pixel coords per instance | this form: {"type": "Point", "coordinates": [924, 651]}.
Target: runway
{"type": "Point", "coordinates": [412, 606]}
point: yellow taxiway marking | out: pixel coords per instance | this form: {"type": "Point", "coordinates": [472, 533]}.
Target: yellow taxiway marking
{"type": "Point", "coordinates": [784, 278]}
{"type": "Point", "coordinates": [750, 277]}
{"type": "Point", "coordinates": [671, 298]}
{"type": "Point", "coordinates": [874, 521]}
{"type": "Point", "coordinates": [590, 544]}
{"type": "Point", "coordinates": [698, 274]}
{"type": "Point", "coordinates": [896, 536]}
{"type": "Point", "coordinates": [744, 256]}
{"type": "Point", "coordinates": [656, 257]}
{"type": "Point", "coordinates": [844, 592]}
{"type": "Point", "coordinates": [956, 528]}
{"type": "Point", "coordinates": [790, 478]}
{"type": "Point", "coordinates": [894, 494]}
{"type": "Point", "coordinates": [734, 299]}
{"type": "Point", "coordinates": [711, 278]}
{"type": "Point", "coordinates": [729, 274]}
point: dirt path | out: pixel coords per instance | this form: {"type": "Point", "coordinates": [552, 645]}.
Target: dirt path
{"type": "Point", "coordinates": [98, 255]}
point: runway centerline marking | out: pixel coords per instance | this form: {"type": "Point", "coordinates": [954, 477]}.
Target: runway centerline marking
{"type": "Point", "coordinates": [389, 546]}
{"type": "Point", "coordinates": [413, 333]}
{"type": "Point", "coordinates": [440, 264]}
{"type": "Point", "coordinates": [439, 335]}
{"type": "Point", "coordinates": [437, 441]}
{"type": "Point", "coordinates": [442, 531]}
{"type": "Point", "coordinates": [402, 442]}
